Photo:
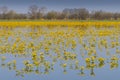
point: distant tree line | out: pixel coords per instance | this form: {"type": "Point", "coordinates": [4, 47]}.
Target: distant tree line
{"type": "Point", "coordinates": [35, 12]}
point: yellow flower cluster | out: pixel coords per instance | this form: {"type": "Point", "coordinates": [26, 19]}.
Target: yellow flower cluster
{"type": "Point", "coordinates": [45, 44]}
{"type": "Point", "coordinates": [59, 23]}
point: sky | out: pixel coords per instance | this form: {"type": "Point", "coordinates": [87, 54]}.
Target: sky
{"type": "Point", "coordinates": [59, 5]}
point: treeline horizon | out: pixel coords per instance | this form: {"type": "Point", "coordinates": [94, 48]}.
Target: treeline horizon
{"type": "Point", "coordinates": [35, 12]}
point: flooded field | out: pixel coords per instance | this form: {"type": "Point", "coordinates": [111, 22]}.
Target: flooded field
{"type": "Point", "coordinates": [59, 53]}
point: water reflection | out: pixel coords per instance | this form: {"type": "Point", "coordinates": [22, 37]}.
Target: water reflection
{"type": "Point", "coordinates": [42, 50]}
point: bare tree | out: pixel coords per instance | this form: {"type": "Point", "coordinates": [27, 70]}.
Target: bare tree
{"type": "Point", "coordinates": [3, 11]}
{"type": "Point", "coordinates": [11, 15]}
{"type": "Point", "coordinates": [67, 13]}
{"type": "Point", "coordinates": [33, 11]}
{"type": "Point", "coordinates": [41, 12]}
{"type": "Point", "coordinates": [116, 16]}
{"type": "Point", "coordinates": [83, 13]}
{"type": "Point", "coordinates": [52, 15]}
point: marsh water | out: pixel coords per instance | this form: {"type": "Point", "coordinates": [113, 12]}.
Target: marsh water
{"type": "Point", "coordinates": [59, 54]}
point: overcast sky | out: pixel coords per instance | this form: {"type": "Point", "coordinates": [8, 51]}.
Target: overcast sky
{"type": "Point", "coordinates": [22, 5]}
